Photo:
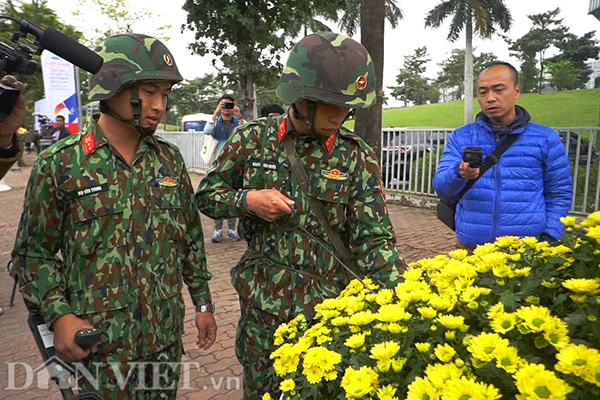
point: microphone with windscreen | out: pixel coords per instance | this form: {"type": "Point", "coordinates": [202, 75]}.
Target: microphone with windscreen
{"type": "Point", "coordinates": [64, 47]}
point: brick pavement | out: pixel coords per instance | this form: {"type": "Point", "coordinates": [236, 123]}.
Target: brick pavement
{"type": "Point", "coordinates": [219, 375]}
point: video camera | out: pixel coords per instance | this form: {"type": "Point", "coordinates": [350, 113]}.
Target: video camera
{"type": "Point", "coordinates": [473, 156]}
{"type": "Point", "coordinates": [18, 59]}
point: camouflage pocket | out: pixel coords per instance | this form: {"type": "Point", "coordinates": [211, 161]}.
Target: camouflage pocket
{"type": "Point", "coordinates": [98, 222]}
{"type": "Point", "coordinates": [168, 218]}
{"type": "Point", "coordinates": [335, 194]}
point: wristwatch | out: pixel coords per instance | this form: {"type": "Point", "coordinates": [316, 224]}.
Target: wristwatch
{"type": "Point", "coordinates": [206, 308]}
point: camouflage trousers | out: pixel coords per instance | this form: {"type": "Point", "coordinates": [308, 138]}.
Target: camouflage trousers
{"type": "Point", "coordinates": [253, 346]}
{"type": "Point", "coordinates": [152, 377]}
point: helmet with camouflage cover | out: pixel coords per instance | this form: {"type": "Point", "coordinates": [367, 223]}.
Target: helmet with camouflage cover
{"type": "Point", "coordinates": [331, 68]}
{"type": "Point", "coordinates": [131, 58]}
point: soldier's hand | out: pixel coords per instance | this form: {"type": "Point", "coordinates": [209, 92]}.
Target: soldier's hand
{"type": "Point", "coordinates": [467, 172]}
{"type": "Point", "coordinates": [64, 338]}
{"type": "Point", "coordinates": [207, 329]}
{"type": "Point", "coordinates": [269, 204]}
{"type": "Point", "coordinates": [17, 116]}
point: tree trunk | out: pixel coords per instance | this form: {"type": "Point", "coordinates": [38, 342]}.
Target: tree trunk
{"type": "Point", "coordinates": [372, 24]}
{"type": "Point", "coordinates": [469, 71]}
{"type": "Point", "coordinates": [249, 104]}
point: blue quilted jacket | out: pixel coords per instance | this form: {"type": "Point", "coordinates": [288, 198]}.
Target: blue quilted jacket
{"type": "Point", "coordinates": [525, 194]}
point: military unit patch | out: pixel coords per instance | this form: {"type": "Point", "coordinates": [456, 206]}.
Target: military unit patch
{"type": "Point", "coordinates": [166, 181]}
{"type": "Point", "coordinates": [335, 174]}
{"type": "Point", "coordinates": [88, 144]}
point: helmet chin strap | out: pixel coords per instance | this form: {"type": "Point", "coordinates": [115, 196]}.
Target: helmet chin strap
{"type": "Point", "coordinates": [309, 121]}
{"type": "Point", "coordinates": [136, 107]}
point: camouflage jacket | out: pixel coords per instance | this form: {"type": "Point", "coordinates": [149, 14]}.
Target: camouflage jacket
{"type": "Point", "coordinates": [112, 243]}
{"type": "Point", "coordinates": [344, 175]}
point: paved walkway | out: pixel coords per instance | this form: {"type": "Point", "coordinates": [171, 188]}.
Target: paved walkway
{"type": "Point", "coordinates": [214, 374]}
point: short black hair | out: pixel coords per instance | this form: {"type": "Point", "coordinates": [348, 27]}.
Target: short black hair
{"type": "Point", "coordinates": [226, 96]}
{"type": "Point", "coordinates": [513, 71]}
{"type": "Point", "coordinates": [60, 116]}
{"type": "Point", "coordinates": [271, 108]}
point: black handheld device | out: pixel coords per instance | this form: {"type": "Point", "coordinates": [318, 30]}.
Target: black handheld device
{"type": "Point", "coordinates": [228, 106]}
{"type": "Point", "coordinates": [86, 338]}
{"type": "Point", "coordinates": [473, 156]}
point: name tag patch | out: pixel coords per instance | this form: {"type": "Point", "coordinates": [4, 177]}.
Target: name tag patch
{"type": "Point", "coordinates": [266, 165]}
{"type": "Point", "coordinates": [77, 193]}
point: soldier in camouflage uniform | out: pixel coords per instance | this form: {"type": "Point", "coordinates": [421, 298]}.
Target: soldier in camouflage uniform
{"type": "Point", "coordinates": [284, 272]}
{"type": "Point", "coordinates": [109, 231]}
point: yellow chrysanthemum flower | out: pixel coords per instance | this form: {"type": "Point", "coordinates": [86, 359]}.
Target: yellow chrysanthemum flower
{"type": "Point", "coordinates": [472, 293]}
{"type": "Point", "coordinates": [287, 385]}
{"type": "Point", "coordinates": [384, 296]}
{"type": "Point", "coordinates": [573, 359]}
{"type": "Point", "coordinates": [483, 346]}
{"type": "Point", "coordinates": [398, 364]}
{"type": "Point", "coordinates": [392, 313]}
{"type": "Point", "coordinates": [495, 309]}
{"type": "Point", "coordinates": [355, 341]}
{"type": "Point", "coordinates": [385, 350]}
{"type": "Point", "coordinates": [556, 332]}
{"type": "Point", "coordinates": [535, 382]}
{"type": "Point", "coordinates": [506, 241]}
{"type": "Point", "coordinates": [459, 254]}
{"type": "Point", "coordinates": [592, 219]}
{"type": "Point", "coordinates": [503, 322]}
{"type": "Point", "coordinates": [484, 249]}
{"type": "Point", "coordinates": [387, 392]}
{"type": "Point", "coordinates": [507, 358]}
{"type": "Point", "coordinates": [317, 362]}
{"type": "Point", "coordinates": [438, 374]}
{"type": "Point", "coordinates": [423, 347]}
{"type": "Point", "coordinates": [582, 286]}
{"type": "Point", "coordinates": [451, 321]}
{"type": "Point", "coordinates": [266, 396]}
{"type": "Point", "coordinates": [340, 321]}
{"type": "Point", "coordinates": [422, 389]}
{"type": "Point", "coordinates": [467, 388]}
{"type": "Point", "coordinates": [568, 221]}
{"type": "Point", "coordinates": [427, 312]}
{"type": "Point", "coordinates": [444, 352]}
{"type": "Point", "coordinates": [533, 317]}
{"type": "Point", "coordinates": [361, 318]}
{"type": "Point", "coordinates": [412, 274]}
{"type": "Point", "coordinates": [359, 383]}
{"type": "Point", "coordinates": [286, 359]}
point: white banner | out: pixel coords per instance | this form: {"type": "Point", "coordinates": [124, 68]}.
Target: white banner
{"type": "Point", "coordinates": [59, 87]}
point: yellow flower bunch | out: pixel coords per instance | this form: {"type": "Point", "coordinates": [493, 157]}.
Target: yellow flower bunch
{"type": "Point", "coordinates": [515, 319]}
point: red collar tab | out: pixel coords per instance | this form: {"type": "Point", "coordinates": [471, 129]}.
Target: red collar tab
{"type": "Point", "coordinates": [282, 129]}
{"type": "Point", "coordinates": [88, 143]}
{"type": "Point", "coordinates": [329, 142]}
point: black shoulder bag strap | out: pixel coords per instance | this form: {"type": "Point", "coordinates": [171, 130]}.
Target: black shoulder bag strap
{"type": "Point", "coordinates": [489, 162]}
{"type": "Point", "coordinates": [289, 144]}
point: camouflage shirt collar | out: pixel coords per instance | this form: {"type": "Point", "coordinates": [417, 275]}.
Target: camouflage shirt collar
{"type": "Point", "coordinates": [94, 137]}
{"type": "Point", "coordinates": [285, 126]}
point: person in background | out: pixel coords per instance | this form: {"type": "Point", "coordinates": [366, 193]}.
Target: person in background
{"type": "Point", "coordinates": [530, 188]}
{"type": "Point", "coordinates": [226, 118]}
{"type": "Point", "coordinates": [271, 110]}
{"type": "Point", "coordinates": [60, 131]}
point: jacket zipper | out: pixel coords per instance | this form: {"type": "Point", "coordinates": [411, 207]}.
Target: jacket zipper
{"type": "Point", "coordinates": [496, 183]}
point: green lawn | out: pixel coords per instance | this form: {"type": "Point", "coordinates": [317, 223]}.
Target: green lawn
{"type": "Point", "coordinates": [570, 108]}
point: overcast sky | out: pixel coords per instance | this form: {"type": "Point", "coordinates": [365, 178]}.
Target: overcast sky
{"type": "Point", "coordinates": [398, 42]}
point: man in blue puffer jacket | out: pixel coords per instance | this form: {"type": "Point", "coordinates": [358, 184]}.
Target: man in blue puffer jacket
{"type": "Point", "coordinates": [530, 188]}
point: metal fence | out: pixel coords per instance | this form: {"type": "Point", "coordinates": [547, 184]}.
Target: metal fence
{"type": "Point", "coordinates": [190, 144]}
{"type": "Point", "coordinates": [409, 158]}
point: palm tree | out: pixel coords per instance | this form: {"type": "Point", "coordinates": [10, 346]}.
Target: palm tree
{"type": "Point", "coordinates": [482, 15]}
{"type": "Point", "coordinates": [370, 15]}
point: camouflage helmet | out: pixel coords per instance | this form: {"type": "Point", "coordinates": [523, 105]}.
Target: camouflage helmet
{"type": "Point", "coordinates": [130, 58]}
{"type": "Point", "coordinates": [331, 68]}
